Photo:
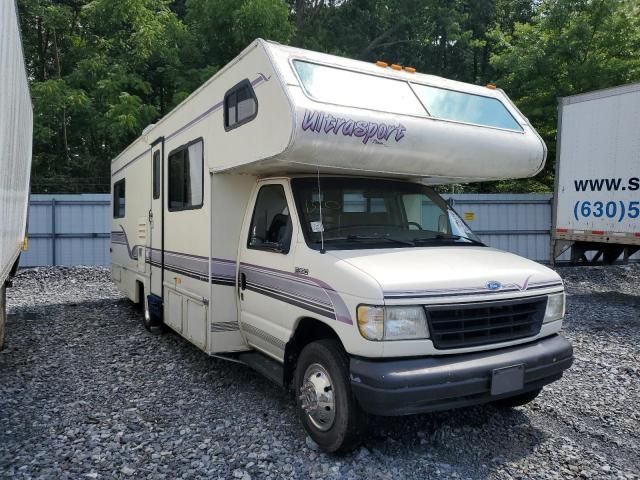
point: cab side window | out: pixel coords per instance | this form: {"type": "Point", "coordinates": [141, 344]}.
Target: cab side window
{"type": "Point", "coordinates": [271, 227]}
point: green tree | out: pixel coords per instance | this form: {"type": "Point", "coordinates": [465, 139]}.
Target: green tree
{"type": "Point", "coordinates": [570, 47]}
{"type": "Point", "coordinates": [225, 27]}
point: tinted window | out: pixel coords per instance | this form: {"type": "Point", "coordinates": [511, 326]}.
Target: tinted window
{"type": "Point", "coordinates": [186, 177]}
{"type": "Point", "coordinates": [240, 105]}
{"type": "Point", "coordinates": [118, 199]}
{"type": "Point", "coordinates": [465, 107]}
{"type": "Point", "coordinates": [343, 87]}
{"type": "Point", "coordinates": [156, 174]}
{"type": "Point", "coordinates": [271, 224]}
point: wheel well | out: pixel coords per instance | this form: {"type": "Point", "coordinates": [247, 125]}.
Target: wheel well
{"type": "Point", "coordinates": [139, 293]}
{"type": "Point", "coordinates": [307, 331]}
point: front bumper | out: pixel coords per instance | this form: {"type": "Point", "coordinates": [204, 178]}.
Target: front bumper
{"type": "Point", "coordinates": [418, 385]}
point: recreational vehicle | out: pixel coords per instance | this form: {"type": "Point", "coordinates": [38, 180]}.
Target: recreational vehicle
{"type": "Point", "coordinates": [281, 216]}
{"type": "Point", "coordinates": [16, 127]}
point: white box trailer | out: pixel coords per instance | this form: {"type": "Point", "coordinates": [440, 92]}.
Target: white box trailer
{"type": "Point", "coordinates": [16, 128]}
{"type": "Point", "coordinates": [597, 194]}
{"type": "Point", "coordinates": [280, 216]}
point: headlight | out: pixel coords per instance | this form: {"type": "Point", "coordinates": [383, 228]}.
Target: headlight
{"type": "Point", "coordinates": [392, 323]}
{"type": "Point", "coordinates": [371, 322]}
{"type": "Point", "coordinates": [555, 307]}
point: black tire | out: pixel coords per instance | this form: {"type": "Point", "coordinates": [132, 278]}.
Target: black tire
{"type": "Point", "coordinates": [3, 314]}
{"type": "Point", "coordinates": [518, 400]}
{"type": "Point", "coordinates": [346, 430]}
{"type": "Point", "coordinates": [152, 324]}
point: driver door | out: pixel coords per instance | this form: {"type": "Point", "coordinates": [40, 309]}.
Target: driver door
{"type": "Point", "coordinates": [266, 253]}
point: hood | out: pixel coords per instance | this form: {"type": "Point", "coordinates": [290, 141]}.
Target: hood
{"type": "Point", "coordinates": [449, 271]}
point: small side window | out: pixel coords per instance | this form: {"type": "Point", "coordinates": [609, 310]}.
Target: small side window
{"type": "Point", "coordinates": [271, 223]}
{"type": "Point", "coordinates": [240, 105]}
{"type": "Point", "coordinates": [156, 174]}
{"type": "Point", "coordinates": [186, 177]}
{"type": "Point", "coordinates": [118, 199]}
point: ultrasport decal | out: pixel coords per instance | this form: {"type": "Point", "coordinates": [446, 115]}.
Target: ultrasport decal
{"type": "Point", "coordinates": [318, 122]}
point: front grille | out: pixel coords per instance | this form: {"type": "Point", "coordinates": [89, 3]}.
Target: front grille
{"type": "Point", "coordinates": [473, 324]}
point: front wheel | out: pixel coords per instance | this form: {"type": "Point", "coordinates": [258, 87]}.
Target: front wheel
{"type": "Point", "coordinates": [326, 405]}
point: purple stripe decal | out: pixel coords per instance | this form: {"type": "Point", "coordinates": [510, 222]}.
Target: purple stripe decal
{"type": "Point", "coordinates": [315, 288]}
{"type": "Point", "coordinates": [120, 238]}
{"type": "Point", "coordinates": [131, 161]}
{"type": "Point", "coordinates": [306, 292]}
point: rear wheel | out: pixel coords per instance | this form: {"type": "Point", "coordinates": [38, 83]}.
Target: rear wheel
{"type": "Point", "coordinates": [326, 405]}
{"type": "Point", "coordinates": [3, 314]}
{"type": "Point", "coordinates": [518, 400]}
{"type": "Point", "coordinates": [149, 321]}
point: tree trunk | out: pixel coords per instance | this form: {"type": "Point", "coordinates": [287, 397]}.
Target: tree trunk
{"type": "Point", "coordinates": [64, 107]}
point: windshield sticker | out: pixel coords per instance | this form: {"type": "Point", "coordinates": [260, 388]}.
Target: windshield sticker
{"type": "Point", "coordinates": [317, 227]}
{"type": "Point", "coordinates": [369, 131]}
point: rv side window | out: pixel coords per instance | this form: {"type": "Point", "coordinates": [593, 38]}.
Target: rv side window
{"type": "Point", "coordinates": [156, 174]}
{"type": "Point", "coordinates": [240, 105]}
{"type": "Point", "coordinates": [271, 224]}
{"type": "Point", "coordinates": [361, 90]}
{"type": "Point", "coordinates": [118, 199]}
{"type": "Point", "coordinates": [466, 107]}
{"type": "Point", "coordinates": [186, 180]}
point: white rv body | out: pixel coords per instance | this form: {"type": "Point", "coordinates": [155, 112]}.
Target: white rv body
{"type": "Point", "coordinates": [203, 269]}
{"type": "Point", "coordinates": [16, 127]}
{"type": "Point", "coordinates": [597, 197]}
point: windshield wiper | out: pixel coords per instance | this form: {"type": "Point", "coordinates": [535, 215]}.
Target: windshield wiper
{"type": "Point", "coordinates": [370, 237]}
{"type": "Point", "coordinates": [468, 239]}
{"type": "Point", "coordinates": [442, 236]}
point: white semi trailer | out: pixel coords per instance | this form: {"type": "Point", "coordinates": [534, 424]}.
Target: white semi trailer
{"type": "Point", "coordinates": [597, 194]}
{"type": "Point", "coordinates": [281, 216]}
{"type": "Point", "coordinates": [16, 127]}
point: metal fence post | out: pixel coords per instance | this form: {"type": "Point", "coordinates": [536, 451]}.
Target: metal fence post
{"type": "Point", "coordinates": [53, 232]}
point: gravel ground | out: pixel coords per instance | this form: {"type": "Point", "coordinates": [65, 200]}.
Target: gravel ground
{"type": "Point", "coordinates": [86, 392]}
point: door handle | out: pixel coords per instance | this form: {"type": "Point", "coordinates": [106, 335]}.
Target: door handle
{"type": "Point", "coordinates": [243, 281]}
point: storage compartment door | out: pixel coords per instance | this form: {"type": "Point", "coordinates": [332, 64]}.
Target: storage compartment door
{"type": "Point", "coordinates": [174, 307]}
{"type": "Point", "coordinates": [196, 322]}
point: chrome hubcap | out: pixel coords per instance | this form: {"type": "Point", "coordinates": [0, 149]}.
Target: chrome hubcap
{"type": "Point", "coordinates": [317, 398]}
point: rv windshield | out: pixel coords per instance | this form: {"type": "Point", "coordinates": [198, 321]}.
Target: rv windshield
{"type": "Point", "coordinates": [360, 213]}
{"type": "Point", "coordinates": [344, 87]}
{"type": "Point", "coordinates": [466, 107]}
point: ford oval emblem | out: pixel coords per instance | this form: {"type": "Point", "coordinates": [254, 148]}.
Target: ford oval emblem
{"type": "Point", "coordinates": [493, 285]}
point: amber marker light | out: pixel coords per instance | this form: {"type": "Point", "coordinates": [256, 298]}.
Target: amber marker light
{"type": "Point", "coordinates": [491, 86]}
{"type": "Point", "coordinates": [395, 67]}
{"type": "Point", "coordinates": [382, 64]}
{"type": "Point", "coordinates": [410, 69]}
